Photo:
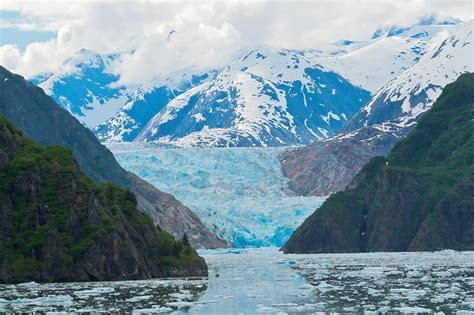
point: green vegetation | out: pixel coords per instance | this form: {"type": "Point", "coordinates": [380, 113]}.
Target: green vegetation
{"type": "Point", "coordinates": [418, 198]}
{"type": "Point", "coordinates": [440, 151]}
{"type": "Point", "coordinates": [49, 206]}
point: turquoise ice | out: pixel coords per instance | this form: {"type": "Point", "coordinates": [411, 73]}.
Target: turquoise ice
{"type": "Point", "coordinates": [239, 193]}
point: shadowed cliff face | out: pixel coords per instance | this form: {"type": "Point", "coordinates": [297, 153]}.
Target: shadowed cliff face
{"type": "Point", "coordinates": [57, 225]}
{"type": "Point", "coordinates": [418, 198]}
{"type": "Point", "coordinates": [40, 118]}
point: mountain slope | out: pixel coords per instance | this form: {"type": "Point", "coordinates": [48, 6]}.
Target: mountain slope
{"type": "Point", "coordinates": [387, 55]}
{"type": "Point", "coordinates": [415, 90]}
{"type": "Point", "coordinates": [82, 85]}
{"type": "Point", "coordinates": [324, 167]}
{"type": "Point", "coordinates": [418, 198]}
{"type": "Point", "coordinates": [269, 97]}
{"type": "Point", "coordinates": [146, 102]}
{"type": "Point", "coordinates": [40, 118]}
{"type": "Point", "coordinates": [58, 225]}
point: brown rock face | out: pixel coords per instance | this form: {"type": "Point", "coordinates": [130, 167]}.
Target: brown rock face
{"type": "Point", "coordinates": [40, 118]}
{"type": "Point", "coordinates": [328, 166]}
{"type": "Point", "coordinates": [57, 225]}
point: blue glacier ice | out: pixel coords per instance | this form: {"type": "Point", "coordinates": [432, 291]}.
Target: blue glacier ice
{"type": "Point", "coordinates": [239, 193]}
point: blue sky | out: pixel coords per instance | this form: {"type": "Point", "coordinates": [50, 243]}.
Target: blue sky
{"type": "Point", "coordinates": [17, 36]}
{"type": "Point", "coordinates": [22, 38]}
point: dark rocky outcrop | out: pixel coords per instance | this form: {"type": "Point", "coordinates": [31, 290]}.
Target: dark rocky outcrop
{"type": "Point", "coordinates": [40, 118]}
{"type": "Point", "coordinates": [418, 198]}
{"type": "Point", "coordinates": [58, 225]}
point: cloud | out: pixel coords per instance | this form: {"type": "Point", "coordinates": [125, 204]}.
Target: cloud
{"type": "Point", "coordinates": [180, 43]}
{"type": "Point", "coordinates": [204, 34]}
{"type": "Point", "coordinates": [37, 57]}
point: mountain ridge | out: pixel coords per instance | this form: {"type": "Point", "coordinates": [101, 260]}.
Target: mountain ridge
{"type": "Point", "coordinates": [40, 118]}
{"type": "Point", "coordinates": [268, 97]}
{"type": "Point", "coordinates": [328, 166]}
{"type": "Point", "coordinates": [119, 114]}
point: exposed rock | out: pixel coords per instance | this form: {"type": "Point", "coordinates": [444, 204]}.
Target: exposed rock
{"type": "Point", "coordinates": [328, 166]}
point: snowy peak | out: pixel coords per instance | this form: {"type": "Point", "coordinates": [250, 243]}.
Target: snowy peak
{"type": "Point", "coordinates": [40, 77]}
{"type": "Point", "coordinates": [372, 64]}
{"type": "Point", "coordinates": [268, 97]}
{"type": "Point", "coordinates": [179, 80]}
{"type": "Point", "coordinates": [85, 58]}
{"type": "Point", "coordinates": [83, 85]}
{"type": "Point", "coordinates": [413, 92]}
{"type": "Point", "coordinates": [394, 30]}
{"type": "Point", "coordinates": [278, 65]}
{"type": "Point", "coordinates": [148, 100]}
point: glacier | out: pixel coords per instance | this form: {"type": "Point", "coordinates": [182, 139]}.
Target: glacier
{"type": "Point", "coordinates": [239, 193]}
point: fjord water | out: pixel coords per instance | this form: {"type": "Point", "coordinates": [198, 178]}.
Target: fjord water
{"type": "Point", "coordinates": [251, 281]}
{"type": "Point", "coordinates": [249, 203]}
{"type": "Point", "coordinates": [239, 193]}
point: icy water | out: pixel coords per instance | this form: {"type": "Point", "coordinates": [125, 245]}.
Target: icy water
{"type": "Point", "coordinates": [239, 193]}
{"type": "Point", "coordinates": [252, 281]}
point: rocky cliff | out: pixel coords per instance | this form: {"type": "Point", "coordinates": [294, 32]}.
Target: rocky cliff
{"type": "Point", "coordinates": [58, 225]}
{"type": "Point", "coordinates": [328, 166]}
{"type": "Point", "coordinates": [418, 198]}
{"type": "Point", "coordinates": [40, 118]}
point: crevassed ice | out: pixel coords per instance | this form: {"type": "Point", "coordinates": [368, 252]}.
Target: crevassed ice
{"type": "Point", "coordinates": [239, 193]}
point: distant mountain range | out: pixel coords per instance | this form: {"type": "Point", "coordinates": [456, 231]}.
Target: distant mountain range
{"type": "Point", "coordinates": [328, 166]}
{"type": "Point", "coordinates": [267, 97]}
{"type": "Point", "coordinates": [410, 94]}
{"type": "Point", "coordinates": [371, 64]}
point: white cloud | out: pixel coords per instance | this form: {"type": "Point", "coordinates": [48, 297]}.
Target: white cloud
{"type": "Point", "coordinates": [38, 57]}
{"type": "Point", "coordinates": [207, 34]}
{"type": "Point", "coordinates": [181, 43]}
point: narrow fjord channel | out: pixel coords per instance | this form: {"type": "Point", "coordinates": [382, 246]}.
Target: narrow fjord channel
{"type": "Point", "coordinates": [242, 196]}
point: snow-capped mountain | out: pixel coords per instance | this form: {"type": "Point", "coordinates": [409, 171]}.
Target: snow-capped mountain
{"type": "Point", "coordinates": [40, 77]}
{"type": "Point", "coordinates": [82, 85]}
{"type": "Point", "coordinates": [394, 30]}
{"type": "Point", "coordinates": [373, 63]}
{"type": "Point", "coordinates": [329, 166]}
{"type": "Point", "coordinates": [147, 101]}
{"type": "Point", "coordinates": [412, 93]}
{"type": "Point", "coordinates": [268, 97]}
